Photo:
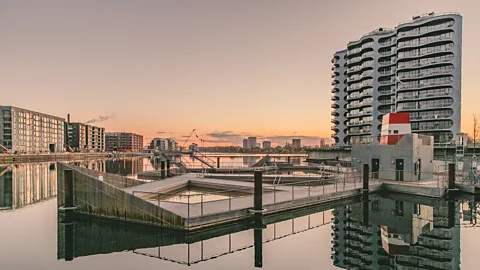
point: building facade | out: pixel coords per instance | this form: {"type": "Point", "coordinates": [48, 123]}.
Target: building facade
{"type": "Point", "coordinates": [414, 68]}
{"type": "Point", "coordinates": [123, 142]}
{"type": "Point", "coordinates": [339, 97]}
{"type": "Point", "coordinates": [245, 143]}
{"type": "Point", "coordinates": [85, 138]}
{"type": "Point", "coordinates": [296, 143]}
{"type": "Point", "coordinates": [266, 145]}
{"type": "Point", "coordinates": [28, 132]}
{"type": "Point", "coordinates": [165, 145]}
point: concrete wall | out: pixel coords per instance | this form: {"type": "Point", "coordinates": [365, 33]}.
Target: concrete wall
{"type": "Point", "coordinates": [95, 197]}
{"type": "Point", "coordinates": [410, 148]}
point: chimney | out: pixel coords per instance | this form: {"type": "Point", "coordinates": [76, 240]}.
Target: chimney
{"type": "Point", "coordinates": [68, 118]}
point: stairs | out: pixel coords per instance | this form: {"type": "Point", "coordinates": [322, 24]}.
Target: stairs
{"type": "Point", "coordinates": [204, 159]}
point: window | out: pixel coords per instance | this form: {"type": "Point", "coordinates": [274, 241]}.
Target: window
{"type": "Point", "coordinates": [395, 131]}
{"type": "Point", "coordinates": [399, 208]}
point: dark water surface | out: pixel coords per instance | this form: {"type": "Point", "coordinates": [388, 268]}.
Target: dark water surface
{"type": "Point", "coordinates": [398, 232]}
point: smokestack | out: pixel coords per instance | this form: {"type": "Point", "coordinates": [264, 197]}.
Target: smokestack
{"type": "Point", "coordinates": [68, 118]}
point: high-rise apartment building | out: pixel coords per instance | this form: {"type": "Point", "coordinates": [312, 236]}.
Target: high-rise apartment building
{"type": "Point", "coordinates": [415, 68]}
{"type": "Point", "coordinates": [296, 143]}
{"type": "Point", "coordinates": [266, 144]}
{"type": "Point", "coordinates": [124, 142]}
{"type": "Point", "coordinates": [245, 143]}
{"type": "Point", "coordinates": [23, 131]}
{"type": "Point", "coordinates": [252, 142]}
{"type": "Point", "coordinates": [339, 97]}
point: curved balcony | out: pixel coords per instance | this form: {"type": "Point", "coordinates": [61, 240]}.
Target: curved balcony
{"type": "Point", "coordinates": [386, 82]}
{"type": "Point", "coordinates": [359, 77]}
{"type": "Point", "coordinates": [335, 113]}
{"type": "Point", "coordinates": [431, 117]}
{"type": "Point", "coordinates": [359, 132]}
{"type": "Point", "coordinates": [424, 97]}
{"type": "Point", "coordinates": [352, 106]}
{"type": "Point", "coordinates": [387, 63]}
{"type": "Point", "coordinates": [419, 43]}
{"type": "Point", "coordinates": [386, 92]}
{"type": "Point", "coordinates": [390, 52]}
{"type": "Point", "coordinates": [386, 101]}
{"type": "Point", "coordinates": [424, 74]}
{"type": "Point", "coordinates": [402, 87]}
{"type": "Point", "coordinates": [366, 47]}
{"type": "Point", "coordinates": [359, 123]}
{"type": "Point", "coordinates": [431, 53]}
{"type": "Point", "coordinates": [358, 88]}
{"type": "Point", "coordinates": [430, 63]}
{"type": "Point", "coordinates": [423, 107]}
{"type": "Point", "coordinates": [359, 95]}
{"type": "Point", "coordinates": [335, 106]}
{"type": "Point", "coordinates": [418, 32]}
{"type": "Point", "coordinates": [335, 98]}
{"type": "Point", "coordinates": [359, 114]}
{"type": "Point", "coordinates": [335, 90]}
{"type": "Point", "coordinates": [435, 127]}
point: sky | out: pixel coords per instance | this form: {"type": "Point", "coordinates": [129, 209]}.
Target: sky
{"type": "Point", "coordinates": [228, 69]}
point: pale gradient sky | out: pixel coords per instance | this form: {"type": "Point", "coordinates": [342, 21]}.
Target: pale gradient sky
{"type": "Point", "coordinates": [226, 68]}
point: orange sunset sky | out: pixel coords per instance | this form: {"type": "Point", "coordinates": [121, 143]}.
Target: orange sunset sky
{"type": "Point", "coordinates": [229, 69]}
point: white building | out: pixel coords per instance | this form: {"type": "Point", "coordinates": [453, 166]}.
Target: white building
{"type": "Point", "coordinates": [24, 131]}
{"type": "Point", "coordinates": [415, 68]}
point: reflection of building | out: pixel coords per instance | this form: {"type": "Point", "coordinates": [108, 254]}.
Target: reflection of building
{"type": "Point", "coordinates": [88, 138]}
{"type": "Point", "coordinates": [266, 145]}
{"type": "Point", "coordinates": [26, 131]}
{"type": "Point", "coordinates": [125, 166]}
{"type": "Point", "coordinates": [401, 235]}
{"type": "Point", "coordinates": [28, 183]}
{"type": "Point", "coordinates": [414, 68]}
{"type": "Point", "coordinates": [296, 143]}
{"type": "Point", "coordinates": [124, 141]}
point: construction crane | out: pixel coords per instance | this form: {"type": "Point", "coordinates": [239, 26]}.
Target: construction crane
{"type": "Point", "coordinates": [188, 138]}
{"type": "Point", "coordinates": [5, 150]}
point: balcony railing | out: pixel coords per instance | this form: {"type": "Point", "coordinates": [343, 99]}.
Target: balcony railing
{"type": "Point", "coordinates": [417, 42]}
{"type": "Point", "coordinates": [418, 54]}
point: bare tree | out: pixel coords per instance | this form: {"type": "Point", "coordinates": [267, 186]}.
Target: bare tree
{"type": "Point", "coordinates": [475, 132]}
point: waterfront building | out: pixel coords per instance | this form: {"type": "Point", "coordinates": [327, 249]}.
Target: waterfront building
{"type": "Point", "coordinates": [266, 144]}
{"type": "Point", "coordinates": [252, 142]}
{"type": "Point", "coordinates": [85, 138]}
{"type": "Point", "coordinates": [124, 142]}
{"type": "Point", "coordinates": [414, 68]}
{"type": "Point", "coordinates": [28, 132]}
{"type": "Point", "coordinates": [339, 97]}
{"type": "Point", "coordinates": [245, 143]}
{"type": "Point", "coordinates": [296, 143]}
{"type": "Point", "coordinates": [165, 145]}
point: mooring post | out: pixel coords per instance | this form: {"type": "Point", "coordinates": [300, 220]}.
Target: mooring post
{"type": "Point", "coordinates": [218, 162]}
{"type": "Point", "coordinates": [155, 163]}
{"type": "Point", "coordinates": [288, 159]}
{"type": "Point", "coordinates": [365, 177]}
{"type": "Point", "coordinates": [451, 176]}
{"type": "Point", "coordinates": [258, 191]}
{"type": "Point", "coordinates": [168, 168]}
{"type": "Point", "coordinates": [162, 168]}
{"type": "Point", "coordinates": [258, 240]}
{"type": "Point", "coordinates": [68, 192]}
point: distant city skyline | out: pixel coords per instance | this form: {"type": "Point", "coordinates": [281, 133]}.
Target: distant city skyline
{"type": "Point", "coordinates": [230, 69]}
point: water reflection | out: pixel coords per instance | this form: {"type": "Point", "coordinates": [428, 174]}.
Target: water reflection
{"type": "Point", "coordinates": [96, 236]}
{"type": "Point", "coordinates": [402, 234]}
{"type": "Point", "coordinates": [123, 167]}
{"type": "Point", "coordinates": [24, 184]}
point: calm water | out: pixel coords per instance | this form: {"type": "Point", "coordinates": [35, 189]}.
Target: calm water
{"type": "Point", "coordinates": [400, 231]}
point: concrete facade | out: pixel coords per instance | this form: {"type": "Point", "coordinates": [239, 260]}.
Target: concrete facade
{"type": "Point", "coordinates": [411, 159]}
{"type": "Point", "coordinates": [123, 142]}
{"type": "Point", "coordinates": [27, 132]}
{"type": "Point", "coordinates": [339, 97]}
{"type": "Point", "coordinates": [414, 68]}
{"type": "Point", "coordinates": [85, 138]}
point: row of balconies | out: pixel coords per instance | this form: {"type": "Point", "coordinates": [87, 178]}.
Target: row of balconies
{"type": "Point", "coordinates": [405, 86]}
{"type": "Point", "coordinates": [359, 95]}
{"type": "Point", "coordinates": [360, 67]}
{"type": "Point", "coordinates": [423, 30]}
{"type": "Point", "coordinates": [423, 96]}
{"type": "Point", "coordinates": [359, 49]}
{"type": "Point", "coordinates": [417, 42]}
